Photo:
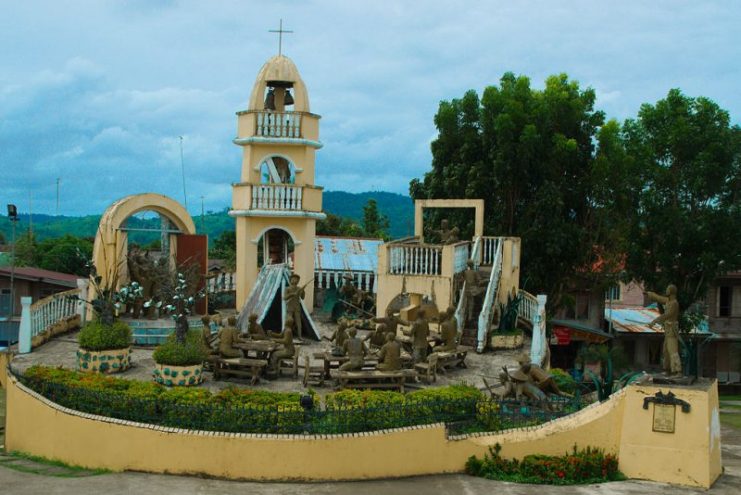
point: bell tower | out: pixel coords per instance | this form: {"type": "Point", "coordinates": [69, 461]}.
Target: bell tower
{"type": "Point", "coordinates": [276, 204]}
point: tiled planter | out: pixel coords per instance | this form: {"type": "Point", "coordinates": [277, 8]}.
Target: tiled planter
{"type": "Point", "coordinates": [512, 341]}
{"type": "Point", "coordinates": [108, 361]}
{"type": "Point", "coordinates": [181, 376]}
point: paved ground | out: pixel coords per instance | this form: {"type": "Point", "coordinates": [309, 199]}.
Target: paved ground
{"type": "Point", "coordinates": [61, 352]}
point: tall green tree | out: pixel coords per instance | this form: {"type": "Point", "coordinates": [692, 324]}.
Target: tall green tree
{"type": "Point", "coordinates": [224, 247]}
{"type": "Point", "coordinates": [374, 223]}
{"type": "Point", "coordinates": [687, 226]}
{"type": "Point", "coordinates": [531, 155]}
{"type": "Point", "coordinates": [66, 254]}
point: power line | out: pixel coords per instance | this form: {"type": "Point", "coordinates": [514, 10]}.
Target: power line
{"type": "Point", "coordinates": [182, 166]}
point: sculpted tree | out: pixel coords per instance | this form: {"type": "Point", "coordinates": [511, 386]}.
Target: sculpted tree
{"type": "Point", "coordinates": [687, 226]}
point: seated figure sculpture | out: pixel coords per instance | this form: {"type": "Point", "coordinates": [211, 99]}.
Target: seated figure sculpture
{"type": "Point", "coordinates": [354, 349]}
{"type": "Point", "coordinates": [378, 337]}
{"type": "Point", "coordinates": [254, 329]}
{"type": "Point", "coordinates": [228, 337]}
{"type": "Point", "coordinates": [389, 357]}
{"type": "Point", "coordinates": [206, 335]}
{"type": "Point", "coordinates": [339, 337]}
{"type": "Point", "coordinates": [286, 350]}
{"type": "Point", "coordinates": [448, 331]}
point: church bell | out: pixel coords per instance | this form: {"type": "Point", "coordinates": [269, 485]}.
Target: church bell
{"type": "Point", "coordinates": [270, 100]}
{"type": "Point", "coordinates": [288, 99]}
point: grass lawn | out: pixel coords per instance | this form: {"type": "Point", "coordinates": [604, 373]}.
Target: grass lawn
{"type": "Point", "coordinates": [730, 397]}
{"type": "Point", "coordinates": [732, 420]}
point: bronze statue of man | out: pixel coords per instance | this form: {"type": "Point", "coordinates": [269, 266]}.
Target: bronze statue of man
{"type": "Point", "coordinates": [254, 329]}
{"type": "Point", "coordinates": [228, 336]}
{"type": "Point", "coordinates": [540, 377]}
{"type": "Point", "coordinates": [420, 331]}
{"type": "Point", "coordinates": [286, 350]}
{"type": "Point", "coordinates": [354, 349]}
{"type": "Point", "coordinates": [292, 296]}
{"type": "Point", "coordinates": [448, 331]}
{"type": "Point", "coordinates": [391, 321]}
{"type": "Point", "coordinates": [672, 363]}
{"type": "Point", "coordinates": [474, 286]}
{"type": "Point", "coordinates": [339, 337]}
{"type": "Point", "coordinates": [389, 358]}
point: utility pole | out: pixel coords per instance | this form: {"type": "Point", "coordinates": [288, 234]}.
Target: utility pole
{"type": "Point", "coordinates": [57, 196]}
{"type": "Point", "coordinates": [13, 217]}
{"type": "Point", "coordinates": [203, 221]}
{"type": "Point", "coordinates": [182, 166]}
{"type": "Point", "coordinates": [30, 213]}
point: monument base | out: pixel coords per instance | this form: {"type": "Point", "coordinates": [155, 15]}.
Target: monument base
{"type": "Point", "coordinates": [672, 380]}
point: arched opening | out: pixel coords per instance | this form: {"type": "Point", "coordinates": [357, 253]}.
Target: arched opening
{"type": "Point", "coordinates": [275, 246]}
{"type": "Point", "coordinates": [278, 97]}
{"type": "Point", "coordinates": [277, 170]}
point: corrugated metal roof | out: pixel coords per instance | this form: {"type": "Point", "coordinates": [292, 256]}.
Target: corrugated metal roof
{"type": "Point", "coordinates": [636, 320]}
{"type": "Point", "coordinates": [347, 254]}
{"type": "Point", "coordinates": [41, 275]}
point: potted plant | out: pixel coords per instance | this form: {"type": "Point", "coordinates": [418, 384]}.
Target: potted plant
{"type": "Point", "coordinates": [179, 361]}
{"type": "Point", "coordinates": [105, 342]}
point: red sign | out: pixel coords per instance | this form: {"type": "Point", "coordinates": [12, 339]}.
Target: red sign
{"type": "Point", "coordinates": [563, 335]}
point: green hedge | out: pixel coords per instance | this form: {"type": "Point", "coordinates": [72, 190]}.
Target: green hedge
{"type": "Point", "coordinates": [589, 465]}
{"type": "Point", "coordinates": [564, 380]}
{"type": "Point", "coordinates": [96, 336]}
{"type": "Point", "coordinates": [174, 354]}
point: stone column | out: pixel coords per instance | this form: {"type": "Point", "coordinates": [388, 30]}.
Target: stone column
{"type": "Point", "coordinates": [83, 284]}
{"type": "Point", "coordinates": [24, 332]}
{"type": "Point", "coordinates": [539, 345]}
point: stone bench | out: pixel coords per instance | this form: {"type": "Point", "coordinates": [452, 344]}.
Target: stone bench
{"type": "Point", "coordinates": [240, 368]}
{"type": "Point", "coordinates": [452, 359]}
{"type": "Point", "coordinates": [375, 379]}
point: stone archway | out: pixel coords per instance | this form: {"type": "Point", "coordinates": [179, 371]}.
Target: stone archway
{"type": "Point", "coordinates": [111, 243]}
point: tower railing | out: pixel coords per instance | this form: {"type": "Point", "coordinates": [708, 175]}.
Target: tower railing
{"type": "Point", "coordinates": [278, 124]}
{"type": "Point", "coordinates": [415, 259]}
{"type": "Point", "coordinates": [277, 197]}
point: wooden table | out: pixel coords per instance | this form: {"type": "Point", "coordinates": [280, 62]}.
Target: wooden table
{"type": "Point", "coordinates": [334, 362]}
{"type": "Point", "coordinates": [259, 349]}
{"type": "Point", "coordinates": [452, 359]}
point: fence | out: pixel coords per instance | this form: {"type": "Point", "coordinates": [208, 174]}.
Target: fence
{"type": "Point", "coordinates": [413, 259]}
{"type": "Point", "coordinates": [278, 124]}
{"type": "Point", "coordinates": [277, 197]}
{"type": "Point", "coordinates": [460, 415]}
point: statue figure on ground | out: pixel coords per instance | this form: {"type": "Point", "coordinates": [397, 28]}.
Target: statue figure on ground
{"type": "Point", "coordinates": [420, 331]}
{"type": "Point", "coordinates": [671, 361]}
{"type": "Point", "coordinates": [228, 336]}
{"type": "Point", "coordinates": [524, 386]}
{"type": "Point", "coordinates": [354, 349]}
{"type": "Point", "coordinates": [389, 357]}
{"type": "Point", "coordinates": [286, 350]}
{"type": "Point", "coordinates": [473, 288]}
{"type": "Point", "coordinates": [448, 331]}
{"type": "Point", "coordinates": [254, 329]}
{"type": "Point", "coordinates": [292, 296]}
{"type": "Point", "coordinates": [540, 378]}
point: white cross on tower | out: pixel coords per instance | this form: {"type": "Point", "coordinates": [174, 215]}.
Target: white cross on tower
{"type": "Point", "coordinates": [280, 32]}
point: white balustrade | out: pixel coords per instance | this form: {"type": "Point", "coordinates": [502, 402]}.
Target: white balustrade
{"type": "Point", "coordinates": [277, 197]}
{"type": "Point", "coordinates": [476, 251]}
{"type": "Point", "coordinates": [528, 306]}
{"type": "Point", "coordinates": [48, 311]}
{"type": "Point", "coordinates": [489, 249]}
{"type": "Point", "coordinates": [223, 282]}
{"type": "Point", "coordinates": [278, 124]}
{"type": "Point", "coordinates": [460, 257]}
{"type": "Point", "coordinates": [415, 259]}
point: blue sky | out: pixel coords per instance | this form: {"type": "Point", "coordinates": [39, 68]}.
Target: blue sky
{"type": "Point", "coordinates": [97, 92]}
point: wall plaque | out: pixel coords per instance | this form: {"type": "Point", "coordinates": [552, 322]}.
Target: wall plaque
{"type": "Point", "coordinates": [664, 417]}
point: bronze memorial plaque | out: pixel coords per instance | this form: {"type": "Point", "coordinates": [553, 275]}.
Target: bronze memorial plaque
{"type": "Point", "coordinates": [664, 417]}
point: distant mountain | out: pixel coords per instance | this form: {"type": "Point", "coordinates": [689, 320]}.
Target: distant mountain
{"type": "Point", "coordinates": [398, 208]}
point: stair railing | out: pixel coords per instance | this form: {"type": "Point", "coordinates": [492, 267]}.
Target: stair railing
{"type": "Point", "coordinates": [490, 298]}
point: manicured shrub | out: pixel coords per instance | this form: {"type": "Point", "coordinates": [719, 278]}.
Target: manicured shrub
{"type": "Point", "coordinates": [174, 354]}
{"type": "Point", "coordinates": [95, 336]}
{"type": "Point", "coordinates": [588, 465]}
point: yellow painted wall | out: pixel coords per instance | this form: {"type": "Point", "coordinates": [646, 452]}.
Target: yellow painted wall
{"type": "Point", "coordinates": [5, 358]}
{"type": "Point", "coordinates": [37, 427]}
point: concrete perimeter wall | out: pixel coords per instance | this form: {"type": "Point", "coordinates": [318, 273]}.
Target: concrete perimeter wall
{"type": "Point", "coordinates": [690, 457]}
